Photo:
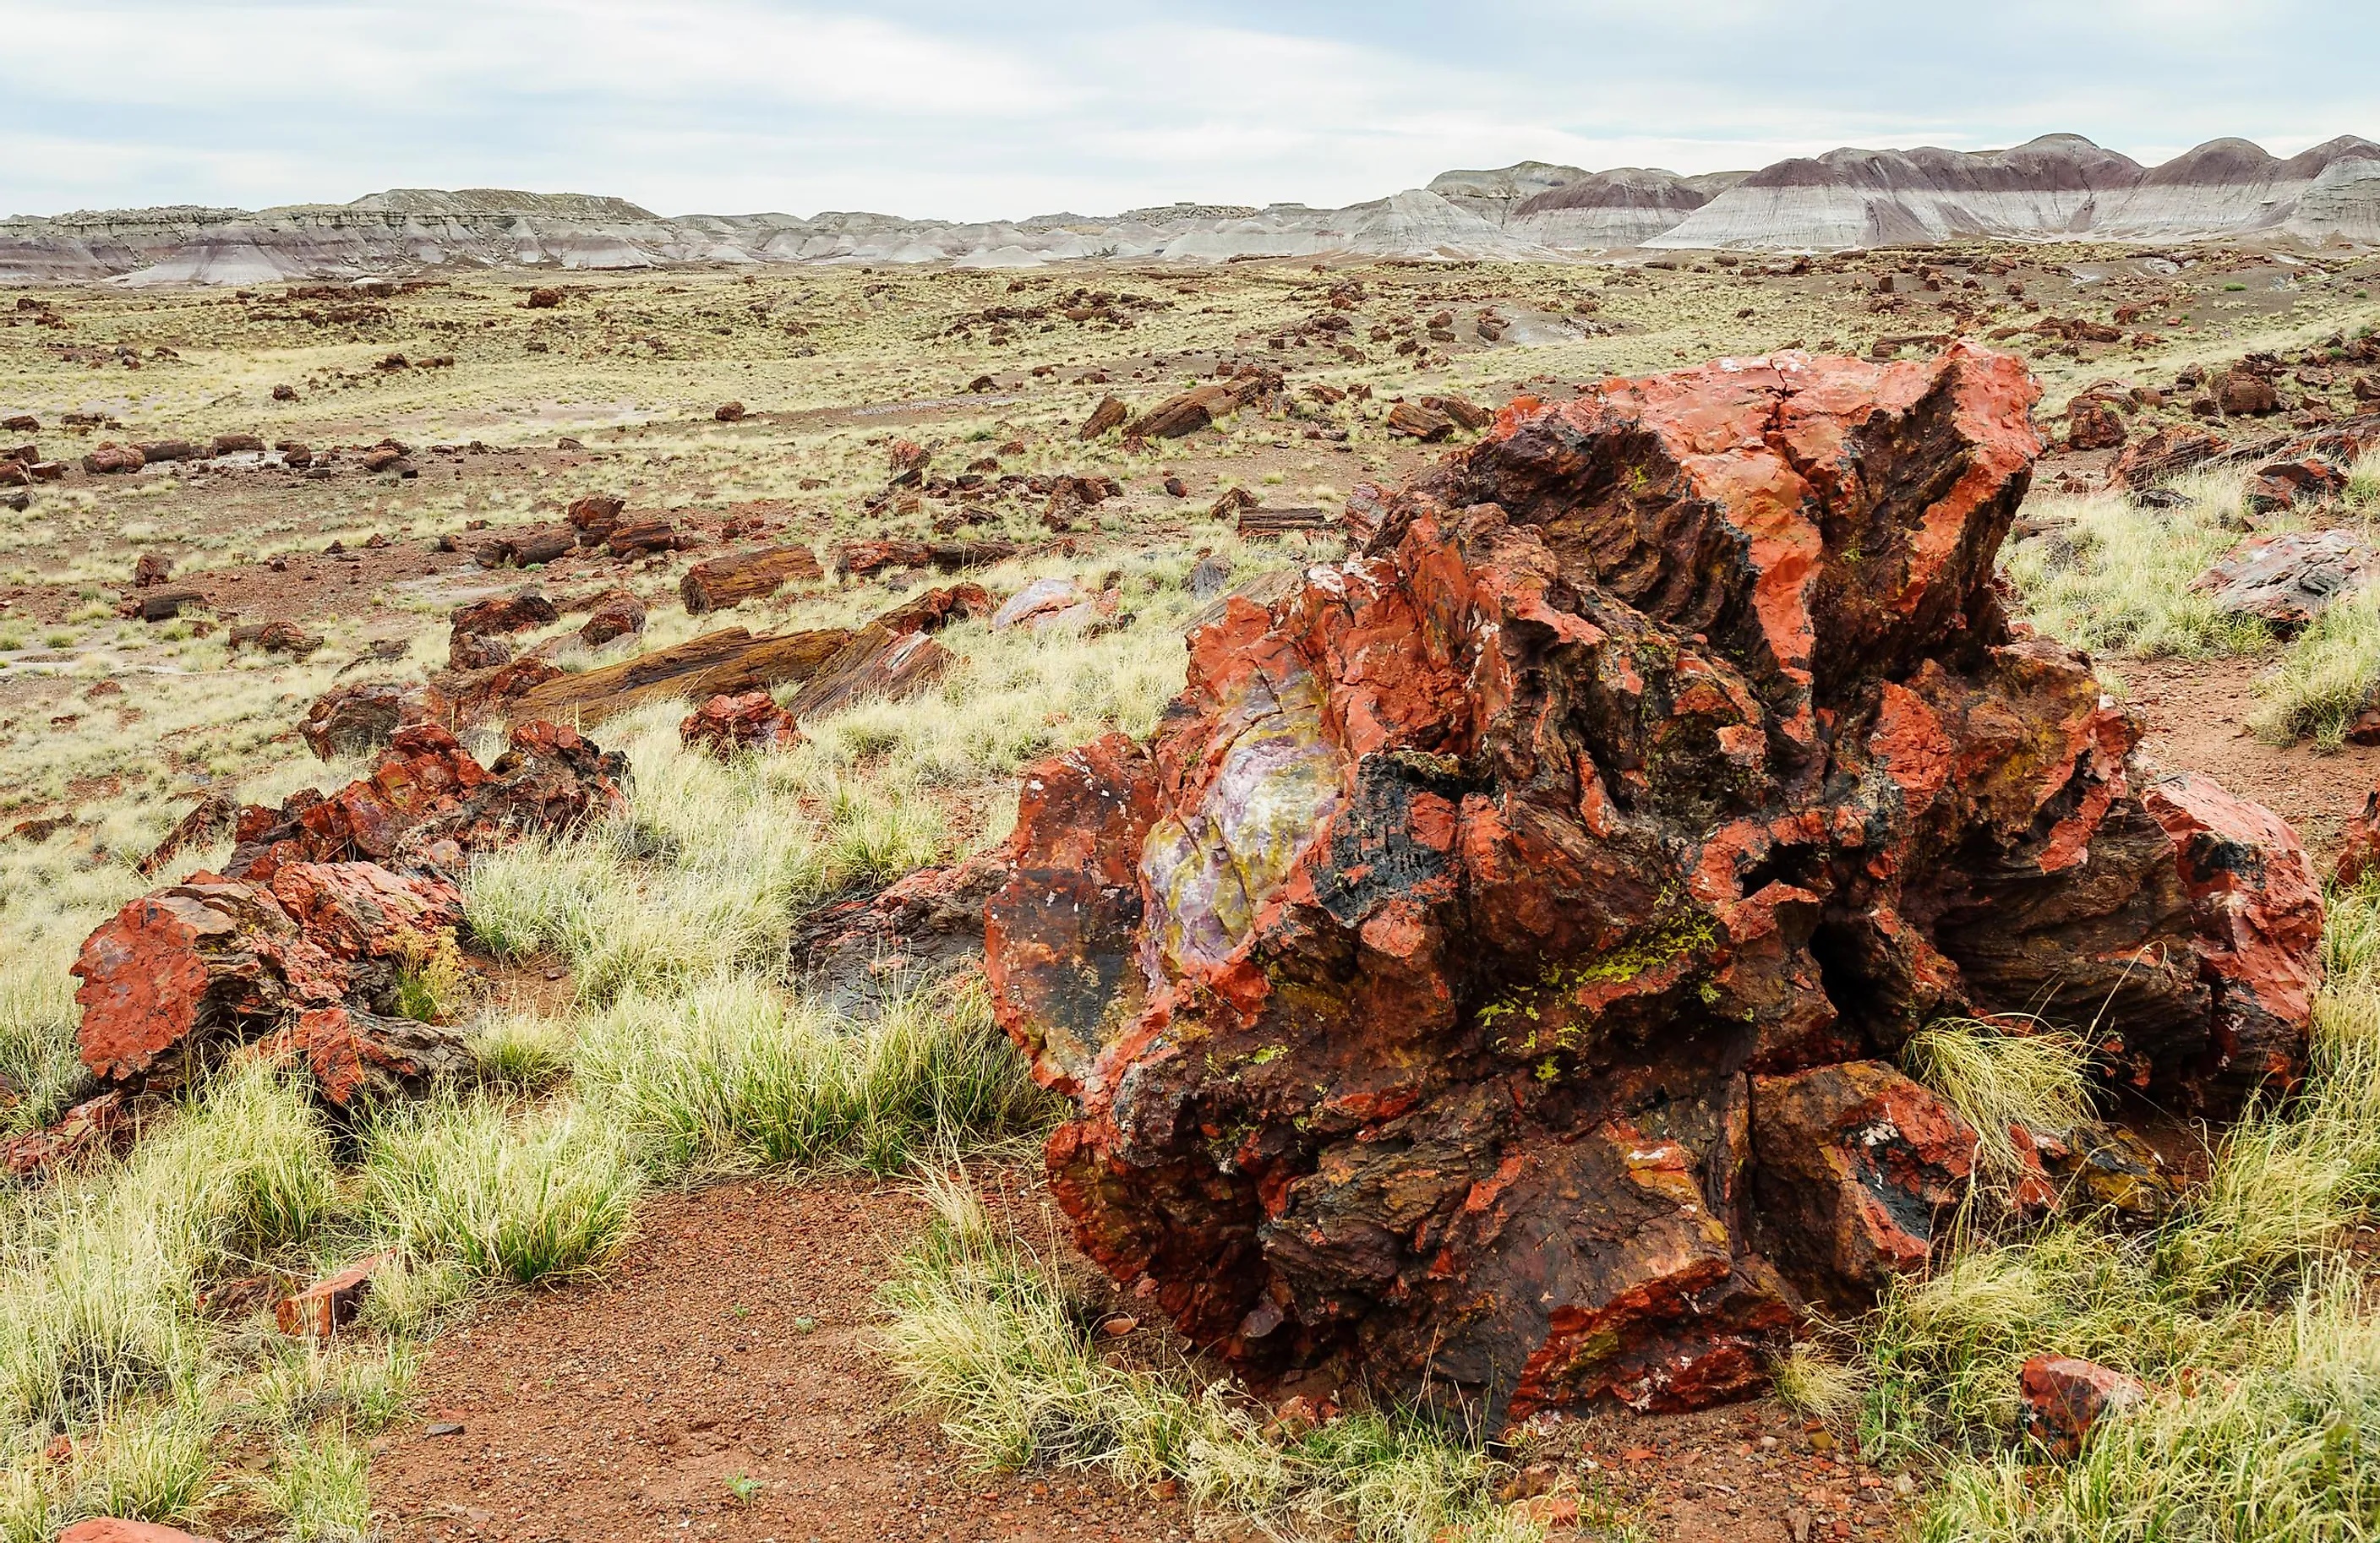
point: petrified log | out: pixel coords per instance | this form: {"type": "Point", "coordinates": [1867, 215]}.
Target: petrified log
{"type": "Point", "coordinates": [725, 582]}
{"type": "Point", "coordinates": [717, 663]}
{"type": "Point", "coordinates": [1110, 414]}
{"type": "Point", "coordinates": [1262, 524]}
{"type": "Point", "coordinates": [747, 721]}
{"type": "Point", "coordinates": [1426, 988]}
{"type": "Point", "coordinates": [616, 615]}
{"type": "Point", "coordinates": [629, 539]}
{"type": "Point", "coordinates": [215, 816]}
{"type": "Point", "coordinates": [1412, 421]}
{"type": "Point", "coordinates": [219, 958]}
{"type": "Point", "coordinates": [879, 664]}
{"type": "Point", "coordinates": [358, 1057]}
{"type": "Point", "coordinates": [430, 801]}
{"type": "Point", "coordinates": [1186, 413]}
{"type": "Point", "coordinates": [353, 720]}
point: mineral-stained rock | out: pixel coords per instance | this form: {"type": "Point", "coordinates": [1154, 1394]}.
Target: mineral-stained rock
{"type": "Point", "coordinates": [1444, 989]}
{"type": "Point", "coordinates": [358, 1057]}
{"type": "Point", "coordinates": [428, 790]}
{"type": "Point", "coordinates": [472, 626]}
{"type": "Point", "coordinates": [747, 721]}
{"type": "Point", "coordinates": [199, 960]}
{"type": "Point", "coordinates": [618, 613]}
{"type": "Point", "coordinates": [1412, 421]}
{"type": "Point", "coordinates": [1856, 1166]}
{"type": "Point", "coordinates": [2289, 579]}
{"type": "Point", "coordinates": [355, 720]}
{"type": "Point", "coordinates": [2284, 484]}
{"type": "Point", "coordinates": [279, 636]}
{"type": "Point", "coordinates": [330, 1303]}
{"type": "Point", "coordinates": [2062, 1398]}
{"type": "Point", "coordinates": [2093, 423]}
{"type": "Point", "coordinates": [153, 568]}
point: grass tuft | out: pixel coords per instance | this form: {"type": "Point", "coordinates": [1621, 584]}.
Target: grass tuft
{"type": "Point", "coordinates": [2038, 1080]}
{"type": "Point", "coordinates": [988, 1339]}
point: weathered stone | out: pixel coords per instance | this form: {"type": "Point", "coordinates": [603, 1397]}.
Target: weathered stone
{"type": "Point", "coordinates": [356, 720]}
{"type": "Point", "coordinates": [2061, 1398]}
{"type": "Point", "coordinates": [2093, 423]}
{"type": "Point", "coordinates": [618, 613]}
{"type": "Point", "coordinates": [472, 627]}
{"type": "Point", "coordinates": [2289, 579]}
{"type": "Point", "coordinates": [2359, 849]}
{"type": "Point", "coordinates": [1417, 985]}
{"type": "Point", "coordinates": [330, 1303]}
{"type": "Point", "coordinates": [725, 582]}
{"type": "Point", "coordinates": [153, 568]}
{"type": "Point", "coordinates": [630, 539]}
{"type": "Point", "coordinates": [1856, 1168]}
{"type": "Point", "coordinates": [112, 459]}
{"type": "Point", "coordinates": [728, 412]}
{"type": "Point", "coordinates": [748, 721]}
{"type": "Point", "coordinates": [1109, 415]}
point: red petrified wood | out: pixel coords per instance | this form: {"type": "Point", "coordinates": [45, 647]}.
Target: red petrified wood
{"type": "Point", "coordinates": [1490, 974]}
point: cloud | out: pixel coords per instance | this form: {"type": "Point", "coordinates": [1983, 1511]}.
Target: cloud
{"type": "Point", "coordinates": [934, 107]}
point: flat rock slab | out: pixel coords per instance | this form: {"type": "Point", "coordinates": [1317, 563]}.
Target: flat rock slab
{"type": "Point", "coordinates": [2289, 579]}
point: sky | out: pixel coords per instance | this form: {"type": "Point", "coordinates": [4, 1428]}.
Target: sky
{"type": "Point", "coordinates": [1006, 108]}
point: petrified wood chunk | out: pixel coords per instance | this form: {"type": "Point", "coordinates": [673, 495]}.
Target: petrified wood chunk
{"type": "Point", "coordinates": [1438, 990]}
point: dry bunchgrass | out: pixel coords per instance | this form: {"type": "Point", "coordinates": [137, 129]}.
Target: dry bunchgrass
{"type": "Point", "coordinates": [989, 1341]}
{"type": "Point", "coordinates": [2246, 1315]}
{"type": "Point", "coordinates": [2107, 576]}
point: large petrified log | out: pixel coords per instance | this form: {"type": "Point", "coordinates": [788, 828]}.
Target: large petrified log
{"type": "Point", "coordinates": [723, 583]}
{"type": "Point", "coordinates": [1491, 973]}
{"type": "Point", "coordinates": [717, 663]}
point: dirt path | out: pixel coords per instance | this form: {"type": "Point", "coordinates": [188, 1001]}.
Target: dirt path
{"type": "Point", "coordinates": [735, 1343]}
{"type": "Point", "coordinates": [2197, 715]}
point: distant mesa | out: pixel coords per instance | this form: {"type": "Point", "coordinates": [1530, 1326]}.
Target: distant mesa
{"type": "Point", "coordinates": [2058, 187]}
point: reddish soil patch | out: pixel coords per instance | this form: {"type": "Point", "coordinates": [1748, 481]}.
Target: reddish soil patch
{"type": "Point", "coordinates": [2197, 712]}
{"type": "Point", "coordinates": [736, 1342]}
{"type": "Point", "coordinates": [622, 1409]}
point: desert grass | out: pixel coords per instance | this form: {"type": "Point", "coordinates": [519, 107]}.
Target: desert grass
{"type": "Point", "coordinates": [2329, 677]}
{"type": "Point", "coordinates": [989, 1341]}
{"type": "Point", "coordinates": [736, 1073]}
{"type": "Point", "coordinates": [2107, 575]}
{"type": "Point", "coordinates": [2246, 1315]}
{"type": "Point", "coordinates": [2004, 1074]}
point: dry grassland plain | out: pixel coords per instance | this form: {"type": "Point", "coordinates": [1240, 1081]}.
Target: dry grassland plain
{"type": "Point", "coordinates": [628, 991]}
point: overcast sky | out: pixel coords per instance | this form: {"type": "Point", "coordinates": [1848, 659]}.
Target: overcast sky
{"type": "Point", "coordinates": [986, 108]}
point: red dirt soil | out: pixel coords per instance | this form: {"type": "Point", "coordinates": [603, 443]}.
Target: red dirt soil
{"type": "Point", "coordinates": [621, 1410]}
